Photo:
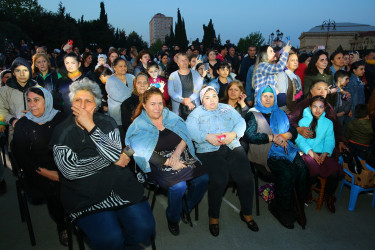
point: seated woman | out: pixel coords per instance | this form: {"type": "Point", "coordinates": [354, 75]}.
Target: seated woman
{"type": "Point", "coordinates": [129, 106]}
{"type": "Point", "coordinates": [270, 135]}
{"type": "Point", "coordinates": [235, 96]}
{"type": "Point", "coordinates": [216, 129]}
{"type": "Point", "coordinates": [30, 143]}
{"type": "Point", "coordinates": [319, 147]}
{"type": "Point", "coordinates": [97, 190]}
{"type": "Point", "coordinates": [163, 149]}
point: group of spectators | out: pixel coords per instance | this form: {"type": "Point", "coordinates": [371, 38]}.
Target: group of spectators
{"type": "Point", "coordinates": [81, 126]}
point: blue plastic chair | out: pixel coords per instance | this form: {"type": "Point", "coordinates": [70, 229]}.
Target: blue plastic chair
{"type": "Point", "coordinates": [355, 189]}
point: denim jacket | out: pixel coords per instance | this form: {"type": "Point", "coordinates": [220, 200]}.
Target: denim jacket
{"type": "Point", "coordinates": [215, 83]}
{"type": "Point", "coordinates": [225, 118]}
{"type": "Point", "coordinates": [142, 136]}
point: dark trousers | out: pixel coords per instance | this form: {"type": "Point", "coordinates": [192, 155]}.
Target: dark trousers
{"type": "Point", "coordinates": [221, 165]}
{"type": "Point", "coordinates": [288, 175]}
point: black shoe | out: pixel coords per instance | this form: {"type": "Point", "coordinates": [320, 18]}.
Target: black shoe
{"type": "Point", "coordinates": [185, 217]}
{"type": "Point", "coordinates": [174, 228]}
{"type": "Point", "coordinates": [63, 237]}
{"type": "Point", "coordinates": [3, 187]}
{"type": "Point", "coordinates": [301, 219]}
{"type": "Point", "coordinates": [280, 216]}
{"type": "Point", "coordinates": [252, 225]}
{"type": "Point", "coordinates": [330, 203]}
{"type": "Point", "coordinates": [214, 229]}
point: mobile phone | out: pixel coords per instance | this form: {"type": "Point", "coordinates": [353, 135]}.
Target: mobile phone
{"type": "Point", "coordinates": [287, 39]}
{"type": "Point", "coordinates": [200, 57]}
{"type": "Point", "coordinates": [156, 85]}
{"type": "Point", "coordinates": [321, 47]}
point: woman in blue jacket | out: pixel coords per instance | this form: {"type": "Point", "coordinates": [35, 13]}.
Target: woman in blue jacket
{"type": "Point", "coordinates": [164, 150]}
{"type": "Point", "coordinates": [216, 129]}
{"type": "Point", "coordinates": [318, 149]}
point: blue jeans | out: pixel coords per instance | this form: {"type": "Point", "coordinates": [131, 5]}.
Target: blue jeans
{"type": "Point", "coordinates": [116, 229]}
{"type": "Point", "coordinates": [196, 189]}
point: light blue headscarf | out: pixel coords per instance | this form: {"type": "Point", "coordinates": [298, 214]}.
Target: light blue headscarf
{"type": "Point", "coordinates": [49, 111]}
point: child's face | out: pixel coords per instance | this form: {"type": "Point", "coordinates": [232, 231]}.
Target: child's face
{"type": "Point", "coordinates": [153, 72]}
{"type": "Point", "coordinates": [344, 81]}
{"type": "Point", "coordinates": [101, 61]}
{"type": "Point", "coordinates": [317, 109]}
{"type": "Point", "coordinates": [223, 72]}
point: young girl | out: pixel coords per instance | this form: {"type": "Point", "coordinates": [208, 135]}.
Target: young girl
{"type": "Point", "coordinates": [157, 81]}
{"type": "Point", "coordinates": [101, 62]}
{"type": "Point", "coordinates": [318, 149]}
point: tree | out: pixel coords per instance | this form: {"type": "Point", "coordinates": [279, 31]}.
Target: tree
{"type": "Point", "coordinates": [156, 47]}
{"type": "Point", "coordinates": [196, 43]}
{"type": "Point", "coordinates": [103, 16]}
{"type": "Point", "coordinates": [208, 34]}
{"type": "Point", "coordinates": [136, 40]}
{"type": "Point", "coordinates": [218, 39]}
{"type": "Point", "coordinates": [254, 38]}
{"type": "Point", "coordinates": [169, 40]}
{"type": "Point", "coordinates": [180, 38]}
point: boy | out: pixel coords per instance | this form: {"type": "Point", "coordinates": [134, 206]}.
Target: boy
{"type": "Point", "coordinates": [343, 104]}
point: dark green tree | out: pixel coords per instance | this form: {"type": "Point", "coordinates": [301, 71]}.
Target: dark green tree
{"type": "Point", "coordinates": [218, 39]}
{"type": "Point", "coordinates": [136, 40]}
{"type": "Point", "coordinates": [169, 40]}
{"type": "Point", "coordinates": [208, 34]}
{"type": "Point", "coordinates": [156, 47]}
{"type": "Point", "coordinates": [196, 43]}
{"type": "Point", "coordinates": [103, 16]}
{"type": "Point", "coordinates": [180, 38]}
{"type": "Point", "coordinates": [254, 38]}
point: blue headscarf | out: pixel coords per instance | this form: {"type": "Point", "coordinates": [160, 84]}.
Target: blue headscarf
{"type": "Point", "coordinates": [279, 124]}
{"type": "Point", "coordinates": [49, 111]}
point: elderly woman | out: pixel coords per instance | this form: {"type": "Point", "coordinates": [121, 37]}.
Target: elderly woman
{"type": "Point", "coordinates": [289, 85]}
{"type": "Point", "coordinates": [13, 103]}
{"type": "Point", "coordinates": [183, 87]}
{"type": "Point", "coordinates": [270, 135]}
{"type": "Point", "coordinates": [98, 192]}
{"type": "Point", "coordinates": [30, 143]}
{"type": "Point", "coordinates": [119, 87]}
{"type": "Point", "coordinates": [163, 149]}
{"type": "Point", "coordinates": [216, 129]}
{"type": "Point", "coordinates": [129, 106]}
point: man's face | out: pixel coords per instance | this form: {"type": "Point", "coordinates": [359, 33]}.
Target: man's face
{"type": "Point", "coordinates": [252, 51]}
{"type": "Point", "coordinates": [224, 52]}
{"type": "Point", "coordinates": [164, 48]}
{"type": "Point", "coordinates": [231, 52]}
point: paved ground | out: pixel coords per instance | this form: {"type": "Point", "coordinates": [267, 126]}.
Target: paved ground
{"type": "Point", "coordinates": [343, 230]}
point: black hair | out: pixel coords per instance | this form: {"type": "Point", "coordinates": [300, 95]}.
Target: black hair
{"type": "Point", "coordinates": [85, 55]}
{"type": "Point", "coordinates": [35, 90]}
{"type": "Point", "coordinates": [366, 53]}
{"type": "Point", "coordinates": [356, 65]}
{"type": "Point", "coordinates": [335, 53]}
{"type": "Point", "coordinates": [152, 64]}
{"type": "Point", "coordinates": [340, 74]}
{"type": "Point", "coordinates": [360, 111]}
{"type": "Point", "coordinates": [103, 71]}
{"type": "Point", "coordinates": [303, 57]}
{"type": "Point", "coordinates": [315, 82]}
{"type": "Point", "coordinates": [221, 48]}
{"type": "Point", "coordinates": [314, 122]}
{"type": "Point", "coordinates": [74, 55]}
{"type": "Point", "coordinates": [117, 60]}
{"type": "Point", "coordinates": [192, 56]}
{"type": "Point", "coordinates": [312, 70]}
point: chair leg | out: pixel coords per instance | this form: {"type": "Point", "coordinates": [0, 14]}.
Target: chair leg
{"type": "Point", "coordinates": [186, 205]}
{"type": "Point", "coordinates": [342, 185]}
{"type": "Point", "coordinates": [256, 184]}
{"type": "Point", "coordinates": [321, 194]}
{"type": "Point", "coordinates": [373, 199]}
{"type": "Point", "coordinates": [20, 201]}
{"type": "Point", "coordinates": [197, 212]}
{"type": "Point", "coordinates": [69, 230]}
{"type": "Point", "coordinates": [354, 192]}
{"type": "Point", "coordinates": [28, 220]}
{"type": "Point", "coordinates": [153, 242]}
{"type": "Point", "coordinates": [154, 198]}
{"type": "Point", "coordinates": [81, 243]}
{"type": "Point", "coordinates": [299, 210]}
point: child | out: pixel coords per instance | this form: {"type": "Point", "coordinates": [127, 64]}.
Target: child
{"type": "Point", "coordinates": [102, 62]}
{"type": "Point", "coordinates": [360, 133]}
{"type": "Point", "coordinates": [222, 81]}
{"type": "Point", "coordinates": [318, 149]}
{"type": "Point", "coordinates": [343, 105]}
{"type": "Point", "coordinates": [157, 81]}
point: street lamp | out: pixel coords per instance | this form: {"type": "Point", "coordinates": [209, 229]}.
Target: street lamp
{"type": "Point", "coordinates": [328, 24]}
{"type": "Point", "coordinates": [270, 39]}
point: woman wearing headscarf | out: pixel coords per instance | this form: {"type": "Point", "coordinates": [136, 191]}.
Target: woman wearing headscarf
{"type": "Point", "coordinates": [270, 136]}
{"type": "Point", "coordinates": [31, 137]}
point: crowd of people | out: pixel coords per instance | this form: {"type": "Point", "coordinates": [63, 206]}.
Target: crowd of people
{"type": "Point", "coordinates": [193, 121]}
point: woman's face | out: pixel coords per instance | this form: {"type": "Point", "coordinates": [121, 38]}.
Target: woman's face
{"type": "Point", "coordinates": [212, 56]}
{"type": "Point", "coordinates": [292, 63]}
{"type": "Point", "coordinates": [322, 62]}
{"type": "Point", "coordinates": [338, 60]}
{"type": "Point", "coordinates": [183, 62]}
{"type": "Point", "coordinates": [321, 88]}
{"type": "Point", "coordinates": [121, 68]}
{"type": "Point", "coordinates": [22, 74]}
{"type": "Point", "coordinates": [267, 99]}
{"type": "Point", "coordinates": [154, 106]}
{"type": "Point", "coordinates": [144, 59]}
{"type": "Point", "coordinates": [36, 104]}
{"type": "Point", "coordinates": [42, 64]}
{"type": "Point", "coordinates": [234, 92]}
{"type": "Point", "coordinates": [101, 61]}
{"type": "Point", "coordinates": [112, 57]}
{"type": "Point", "coordinates": [346, 60]}
{"type": "Point", "coordinates": [360, 71]}
{"type": "Point", "coordinates": [85, 100]}
{"type": "Point", "coordinates": [210, 100]}
{"type": "Point", "coordinates": [201, 69]}
{"type": "Point", "coordinates": [317, 109]}
{"type": "Point", "coordinates": [270, 54]}
{"type": "Point", "coordinates": [193, 62]}
{"type": "Point", "coordinates": [141, 84]}
{"type": "Point", "coordinates": [71, 64]}
{"type": "Point", "coordinates": [89, 59]}
{"type": "Point", "coordinates": [351, 58]}
{"type": "Point", "coordinates": [153, 72]}
{"type": "Point", "coordinates": [164, 60]}
{"type": "Point", "coordinates": [6, 77]}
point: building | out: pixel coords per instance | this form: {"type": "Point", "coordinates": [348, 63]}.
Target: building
{"type": "Point", "coordinates": [351, 36]}
{"type": "Point", "coordinates": [160, 26]}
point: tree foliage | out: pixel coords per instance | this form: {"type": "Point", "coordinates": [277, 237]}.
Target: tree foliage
{"type": "Point", "coordinates": [156, 47]}
{"type": "Point", "coordinates": [180, 37]}
{"type": "Point", "coordinates": [208, 34]}
{"type": "Point", "coordinates": [254, 38]}
{"type": "Point", "coordinates": [169, 40]}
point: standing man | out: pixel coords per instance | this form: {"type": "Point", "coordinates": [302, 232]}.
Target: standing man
{"type": "Point", "coordinates": [232, 58]}
{"type": "Point", "coordinates": [247, 61]}
{"type": "Point", "coordinates": [223, 52]}
{"type": "Point", "coordinates": [369, 73]}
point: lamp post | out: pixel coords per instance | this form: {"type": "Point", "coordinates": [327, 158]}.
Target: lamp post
{"type": "Point", "coordinates": [270, 39]}
{"type": "Point", "coordinates": [328, 24]}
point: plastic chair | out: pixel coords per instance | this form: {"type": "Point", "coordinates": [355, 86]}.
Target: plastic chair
{"type": "Point", "coordinates": [355, 189]}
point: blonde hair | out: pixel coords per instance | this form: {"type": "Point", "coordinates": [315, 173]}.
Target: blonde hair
{"type": "Point", "coordinates": [34, 68]}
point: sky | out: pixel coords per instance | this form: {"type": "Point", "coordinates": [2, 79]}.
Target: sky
{"type": "Point", "coordinates": [232, 19]}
